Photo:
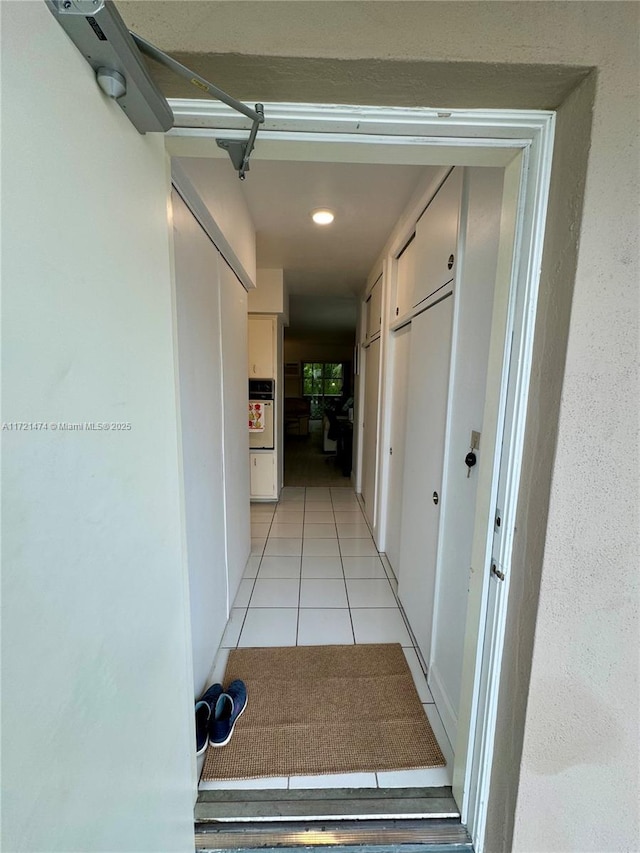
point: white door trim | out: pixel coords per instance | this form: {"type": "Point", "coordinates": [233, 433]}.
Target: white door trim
{"type": "Point", "coordinates": [524, 139]}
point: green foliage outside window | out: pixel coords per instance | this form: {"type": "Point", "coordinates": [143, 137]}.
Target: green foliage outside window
{"type": "Point", "coordinates": [321, 380]}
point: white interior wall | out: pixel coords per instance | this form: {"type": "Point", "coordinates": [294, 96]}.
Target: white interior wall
{"type": "Point", "coordinates": [473, 297]}
{"type": "Point", "coordinates": [217, 184]}
{"type": "Point", "coordinates": [201, 410]}
{"type": "Point", "coordinates": [268, 297]}
{"type": "Point", "coordinates": [96, 676]}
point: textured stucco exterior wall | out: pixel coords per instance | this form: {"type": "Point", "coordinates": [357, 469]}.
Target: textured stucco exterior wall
{"type": "Point", "coordinates": [573, 133]}
{"type": "Point", "coordinates": [566, 756]}
{"type": "Point", "coordinates": [578, 787]}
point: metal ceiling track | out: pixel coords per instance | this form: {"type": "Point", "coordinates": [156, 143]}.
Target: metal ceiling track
{"type": "Point", "coordinates": [113, 51]}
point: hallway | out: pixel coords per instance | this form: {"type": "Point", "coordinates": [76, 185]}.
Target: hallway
{"type": "Point", "coordinates": [306, 464]}
{"type": "Point", "coordinates": [316, 578]}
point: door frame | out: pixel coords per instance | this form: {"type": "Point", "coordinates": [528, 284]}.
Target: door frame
{"type": "Point", "coordinates": [521, 141]}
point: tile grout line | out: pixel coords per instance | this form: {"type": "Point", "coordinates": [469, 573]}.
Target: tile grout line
{"type": "Point", "coordinates": [344, 577]}
{"type": "Point", "coordinates": [246, 610]}
{"type": "Point", "coordinates": [304, 512]}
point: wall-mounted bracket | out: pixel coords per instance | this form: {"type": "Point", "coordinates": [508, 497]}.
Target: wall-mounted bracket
{"type": "Point", "coordinates": [239, 151]}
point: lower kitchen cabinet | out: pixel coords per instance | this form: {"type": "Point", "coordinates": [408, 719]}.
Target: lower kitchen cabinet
{"type": "Point", "coordinates": [263, 475]}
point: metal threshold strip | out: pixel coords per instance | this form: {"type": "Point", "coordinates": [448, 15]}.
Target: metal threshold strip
{"type": "Point", "coordinates": [406, 819]}
{"type": "Point", "coordinates": [358, 836]}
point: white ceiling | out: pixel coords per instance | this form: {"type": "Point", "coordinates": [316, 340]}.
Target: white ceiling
{"type": "Point", "coordinates": [333, 259]}
{"type": "Point", "coordinates": [325, 267]}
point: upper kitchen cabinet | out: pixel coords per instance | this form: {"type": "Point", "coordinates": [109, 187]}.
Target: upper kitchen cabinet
{"type": "Point", "coordinates": [405, 279]}
{"type": "Point", "coordinates": [436, 242]}
{"type": "Point", "coordinates": [262, 347]}
{"type": "Point", "coordinates": [374, 310]}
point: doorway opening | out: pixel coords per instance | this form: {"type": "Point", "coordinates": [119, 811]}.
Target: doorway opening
{"type": "Point", "coordinates": [523, 155]}
{"type": "Point", "coordinates": [318, 451]}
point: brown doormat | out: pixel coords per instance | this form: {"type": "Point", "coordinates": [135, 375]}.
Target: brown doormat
{"type": "Point", "coordinates": [324, 709]}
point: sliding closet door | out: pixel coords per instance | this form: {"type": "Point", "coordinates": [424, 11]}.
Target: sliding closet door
{"type": "Point", "coordinates": [401, 344]}
{"type": "Point", "coordinates": [234, 356]}
{"type": "Point", "coordinates": [427, 391]}
{"type": "Point", "coordinates": [201, 406]}
{"type": "Point", "coordinates": [370, 429]}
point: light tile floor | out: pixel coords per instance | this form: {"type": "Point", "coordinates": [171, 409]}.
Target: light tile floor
{"type": "Point", "coordinates": [314, 578]}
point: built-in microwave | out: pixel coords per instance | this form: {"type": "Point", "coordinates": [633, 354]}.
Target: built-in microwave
{"type": "Point", "coordinates": [262, 389]}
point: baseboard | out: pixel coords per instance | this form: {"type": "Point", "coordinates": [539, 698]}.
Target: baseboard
{"type": "Point", "coordinates": [443, 703]}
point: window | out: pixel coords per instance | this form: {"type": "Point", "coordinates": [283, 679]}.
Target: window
{"type": "Point", "coordinates": [322, 380]}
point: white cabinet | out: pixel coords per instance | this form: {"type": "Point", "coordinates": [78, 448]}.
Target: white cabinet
{"type": "Point", "coordinates": [374, 310]}
{"type": "Point", "coordinates": [436, 241]}
{"type": "Point", "coordinates": [263, 475]}
{"type": "Point", "coordinates": [405, 280]}
{"type": "Point", "coordinates": [262, 347]}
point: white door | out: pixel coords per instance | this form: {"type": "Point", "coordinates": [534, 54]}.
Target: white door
{"type": "Point", "coordinates": [201, 408]}
{"type": "Point", "coordinates": [428, 385]}
{"type": "Point", "coordinates": [233, 311]}
{"type": "Point", "coordinates": [370, 429]}
{"type": "Point", "coordinates": [401, 342]}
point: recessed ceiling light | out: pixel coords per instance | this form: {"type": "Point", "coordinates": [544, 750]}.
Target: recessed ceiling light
{"type": "Point", "coordinates": [322, 217]}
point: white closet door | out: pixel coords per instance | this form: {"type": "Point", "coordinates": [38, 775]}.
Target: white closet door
{"type": "Point", "coordinates": [428, 384]}
{"type": "Point", "coordinates": [201, 407]}
{"type": "Point", "coordinates": [401, 342]}
{"type": "Point", "coordinates": [436, 243]}
{"type": "Point", "coordinates": [233, 310]}
{"type": "Point", "coordinates": [405, 280]}
{"type": "Point", "coordinates": [374, 310]}
{"type": "Point", "coordinates": [370, 429]}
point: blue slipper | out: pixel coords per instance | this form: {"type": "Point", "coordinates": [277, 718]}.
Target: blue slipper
{"type": "Point", "coordinates": [211, 695]}
{"type": "Point", "coordinates": [204, 710]}
{"type": "Point", "coordinates": [203, 713]}
{"type": "Point", "coordinates": [229, 707]}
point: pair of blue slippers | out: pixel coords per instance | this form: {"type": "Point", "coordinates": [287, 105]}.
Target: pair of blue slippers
{"type": "Point", "coordinates": [217, 713]}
